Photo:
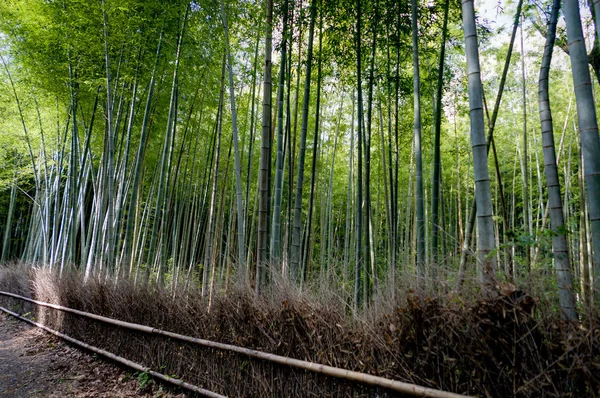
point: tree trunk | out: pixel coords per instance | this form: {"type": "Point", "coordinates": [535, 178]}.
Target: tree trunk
{"type": "Point", "coordinates": [297, 229]}
{"type": "Point", "coordinates": [584, 258]}
{"type": "Point", "coordinates": [265, 159]}
{"type": "Point", "coordinates": [473, 213]}
{"type": "Point", "coordinates": [276, 232]}
{"type": "Point", "coordinates": [236, 150]}
{"type": "Point", "coordinates": [359, 201]}
{"type": "Point", "coordinates": [588, 129]}
{"type": "Point", "coordinates": [437, 165]}
{"type": "Point", "coordinates": [6, 255]}
{"type": "Point", "coordinates": [559, 240]}
{"type": "Point", "coordinates": [349, 209]}
{"type": "Point", "coordinates": [527, 219]}
{"type": "Point", "coordinates": [369, 242]}
{"type": "Point", "coordinates": [313, 177]}
{"type": "Point", "coordinates": [420, 208]}
{"type": "Point", "coordinates": [110, 182]}
{"type": "Point", "coordinates": [485, 222]}
{"type": "Point", "coordinates": [209, 239]}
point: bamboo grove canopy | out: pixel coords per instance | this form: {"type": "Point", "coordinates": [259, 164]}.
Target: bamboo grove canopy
{"type": "Point", "coordinates": [358, 145]}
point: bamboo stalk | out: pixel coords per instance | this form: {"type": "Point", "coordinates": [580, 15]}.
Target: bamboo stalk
{"type": "Point", "coordinates": [8, 228]}
{"type": "Point", "coordinates": [394, 385]}
{"type": "Point", "coordinates": [234, 128]}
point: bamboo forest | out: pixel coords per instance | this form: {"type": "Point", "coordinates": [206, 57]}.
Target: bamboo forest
{"type": "Point", "coordinates": [404, 195]}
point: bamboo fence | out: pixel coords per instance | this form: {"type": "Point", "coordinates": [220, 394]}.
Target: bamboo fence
{"type": "Point", "coordinates": [363, 378]}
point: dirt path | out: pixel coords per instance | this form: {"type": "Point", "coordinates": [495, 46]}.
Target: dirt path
{"type": "Point", "coordinates": [34, 363]}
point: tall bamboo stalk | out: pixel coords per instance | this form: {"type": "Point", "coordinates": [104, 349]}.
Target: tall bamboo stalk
{"type": "Point", "coordinates": [313, 177]}
{"type": "Point", "coordinates": [485, 223]}
{"type": "Point", "coordinates": [473, 213]}
{"type": "Point", "coordinates": [276, 232]}
{"type": "Point", "coordinates": [559, 240]}
{"type": "Point", "coordinates": [237, 168]}
{"type": "Point", "coordinates": [437, 163]}
{"type": "Point", "coordinates": [420, 208]}
{"type": "Point", "coordinates": [265, 159]}
{"type": "Point", "coordinates": [588, 129]}
{"type": "Point", "coordinates": [359, 201]}
{"type": "Point", "coordinates": [297, 228]}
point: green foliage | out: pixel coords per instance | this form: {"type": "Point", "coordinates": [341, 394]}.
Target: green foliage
{"type": "Point", "coordinates": [144, 379]}
{"type": "Point", "coordinates": [55, 52]}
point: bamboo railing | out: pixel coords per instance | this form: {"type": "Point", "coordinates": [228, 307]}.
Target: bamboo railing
{"type": "Point", "coordinates": [116, 358]}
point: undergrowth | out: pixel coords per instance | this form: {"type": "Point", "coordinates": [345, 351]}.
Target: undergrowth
{"type": "Point", "coordinates": [490, 348]}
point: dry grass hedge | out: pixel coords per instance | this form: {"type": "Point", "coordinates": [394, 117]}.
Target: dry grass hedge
{"type": "Point", "coordinates": [497, 348]}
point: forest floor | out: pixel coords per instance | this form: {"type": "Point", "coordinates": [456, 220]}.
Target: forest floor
{"type": "Point", "coordinates": [34, 363]}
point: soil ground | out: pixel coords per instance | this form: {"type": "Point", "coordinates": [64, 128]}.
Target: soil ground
{"type": "Point", "coordinates": [34, 363]}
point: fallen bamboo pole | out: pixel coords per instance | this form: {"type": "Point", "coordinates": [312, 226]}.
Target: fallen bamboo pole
{"type": "Point", "coordinates": [116, 358]}
{"type": "Point", "coordinates": [394, 385]}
